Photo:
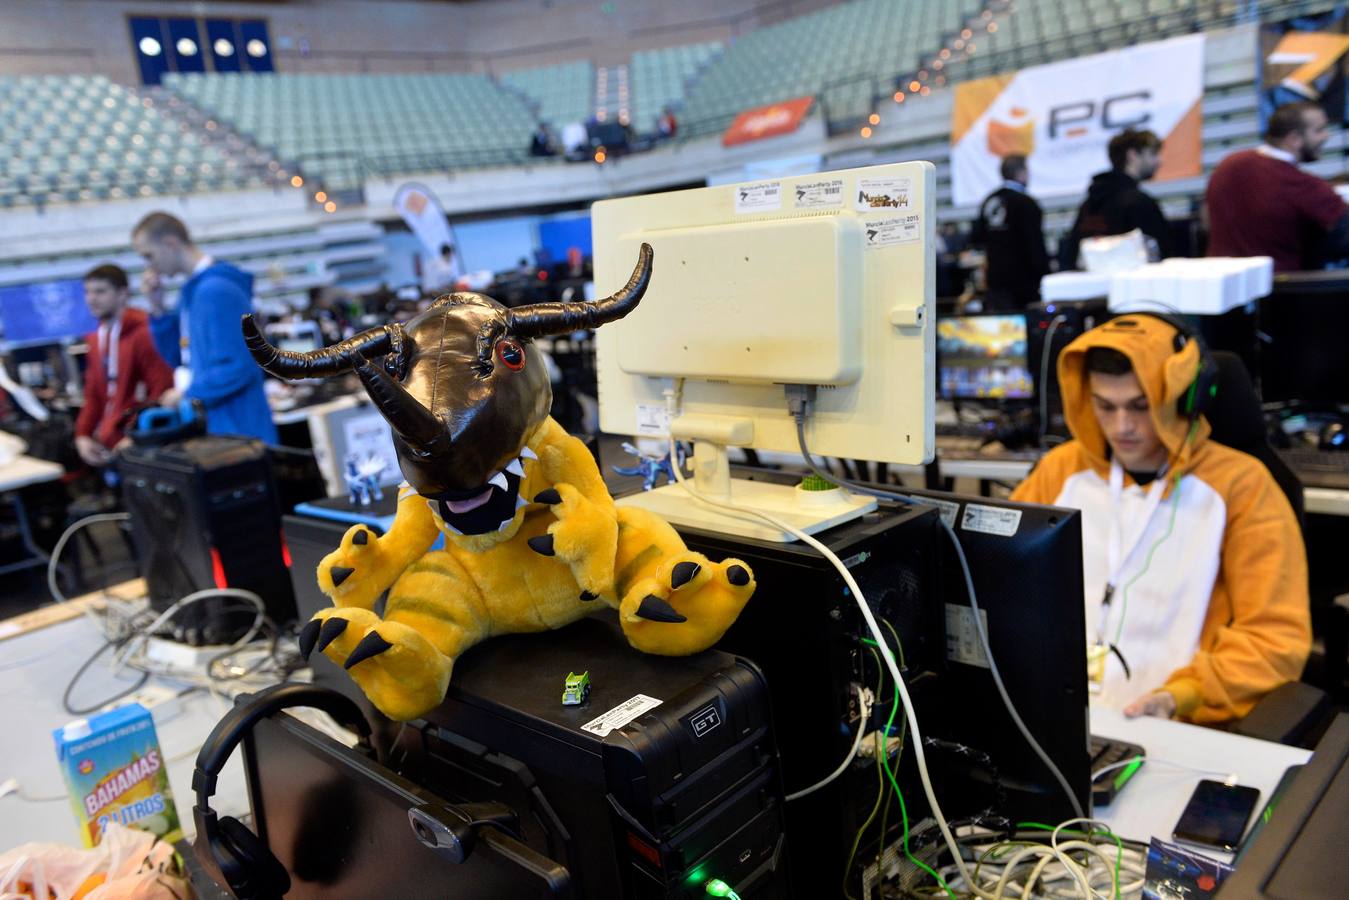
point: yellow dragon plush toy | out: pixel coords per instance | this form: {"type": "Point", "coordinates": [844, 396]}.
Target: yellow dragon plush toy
{"type": "Point", "coordinates": [533, 540]}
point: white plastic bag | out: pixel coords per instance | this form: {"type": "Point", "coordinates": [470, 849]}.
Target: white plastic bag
{"type": "Point", "coordinates": [128, 864]}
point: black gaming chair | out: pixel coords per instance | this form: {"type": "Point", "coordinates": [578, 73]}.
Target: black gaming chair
{"type": "Point", "coordinates": [1295, 713]}
{"type": "Point", "coordinates": [1238, 421]}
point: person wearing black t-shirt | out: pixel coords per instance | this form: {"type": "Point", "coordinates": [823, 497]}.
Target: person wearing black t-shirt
{"type": "Point", "coordinates": [1010, 230]}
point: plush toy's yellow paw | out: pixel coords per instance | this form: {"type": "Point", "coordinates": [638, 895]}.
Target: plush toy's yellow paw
{"type": "Point", "coordinates": [584, 537]}
{"type": "Point", "coordinates": [398, 669]}
{"type": "Point", "coordinates": [685, 605]}
{"type": "Point", "coordinates": [357, 572]}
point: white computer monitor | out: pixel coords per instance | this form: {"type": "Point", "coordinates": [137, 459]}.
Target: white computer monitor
{"type": "Point", "coordinates": [822, 279]}
{"type": "Point", "coordinates": [300, 336]}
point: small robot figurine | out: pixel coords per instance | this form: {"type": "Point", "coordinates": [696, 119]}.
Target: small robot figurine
{"type": "Point", "coordinates": [362, 477]}
{"type": "Point", "coordinates": [650, 467]}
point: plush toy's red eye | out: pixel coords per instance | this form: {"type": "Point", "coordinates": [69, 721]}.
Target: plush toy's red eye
{"type": "Point", "coordinates": [512, 354]}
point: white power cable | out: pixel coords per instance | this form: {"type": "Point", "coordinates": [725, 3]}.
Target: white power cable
{"type": "Point", "coordinates": [865, 702]}
{"type": "Point", "coordinates": [66, 535]}
{"type": "Point", "coordinates": [1154, 761]}
{"type": "Point", "coordinates": [672, 405]}
{"type": "Point", "coordinates": [979, 627]}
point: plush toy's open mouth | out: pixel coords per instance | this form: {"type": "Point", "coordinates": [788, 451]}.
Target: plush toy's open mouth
{"type": "Point", "coordinates": [486, 509]}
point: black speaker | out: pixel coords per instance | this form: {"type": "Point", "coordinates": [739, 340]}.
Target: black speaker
{"type": "Point", "coordinates": [204, 514]}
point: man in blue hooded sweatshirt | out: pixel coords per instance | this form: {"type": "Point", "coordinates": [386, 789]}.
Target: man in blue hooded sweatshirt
{"type": "Point", "coordinates": [202, 338]}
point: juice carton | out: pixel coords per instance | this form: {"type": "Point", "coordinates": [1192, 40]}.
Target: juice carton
{"type": "Point", "coordinates": [115, 772]}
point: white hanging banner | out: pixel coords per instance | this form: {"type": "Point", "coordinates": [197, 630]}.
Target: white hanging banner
{"type": "Point", "coordinates": [424, 215]}
{"type": "Point", "coordinates": [1062, 116]}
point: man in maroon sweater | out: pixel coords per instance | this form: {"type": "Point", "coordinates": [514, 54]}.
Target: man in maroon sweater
{"type": "Point", "coordinates": [1261, 204]}
{"type": "Point", "coordinates": [124, 368]}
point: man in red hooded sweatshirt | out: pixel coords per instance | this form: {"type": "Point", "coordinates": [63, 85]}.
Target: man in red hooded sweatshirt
{"type": "Point", "coordinates": [124, 368]}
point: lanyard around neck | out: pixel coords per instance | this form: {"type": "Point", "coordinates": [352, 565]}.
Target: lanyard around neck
{"type": "Point", "coordinates": [1121, 548]}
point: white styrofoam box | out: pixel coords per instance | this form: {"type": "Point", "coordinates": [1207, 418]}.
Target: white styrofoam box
{"type": "Point", "coordinates": [1074, 286]}
{"type": "Point", "coordinates": [1205, 287]}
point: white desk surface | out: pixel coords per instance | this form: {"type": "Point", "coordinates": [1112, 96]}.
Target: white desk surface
{"type": "Point", "coordinates": [26, 470]}
{"type": "Point", "coordinates": [35, 668]}
{"type": "Point", "coordinates": [1326, 501]}
{"type": "Point", "coordinates": [1150, 804]}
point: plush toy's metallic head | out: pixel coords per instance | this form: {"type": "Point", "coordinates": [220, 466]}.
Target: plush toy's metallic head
{"type": "Point", "coordinates": [463, 387]}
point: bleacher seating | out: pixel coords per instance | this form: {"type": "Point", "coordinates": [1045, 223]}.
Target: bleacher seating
{"type": "Point", "coordinates": [340, 129]}
{"type": "Point", "coordinates": [846, 54]}
{"type": "Point", "coordinates": [561, 94]}
{"type": "Point", "coordinates": [659, 79]}
{"type": "Point", "coordinates": [123, 145]}
{"type": "Point", "coordinates": [1041, 31]}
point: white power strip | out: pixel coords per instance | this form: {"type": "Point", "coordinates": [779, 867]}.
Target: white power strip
{"type": "Point", "coordinates": [184, 658]}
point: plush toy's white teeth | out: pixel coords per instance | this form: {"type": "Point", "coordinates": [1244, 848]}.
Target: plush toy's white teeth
{"type": "Point", "coordinates": [515, 468]}
{"type": "Point", "coordinates": [459, 507]}
{"type": "Point", "coordinates": [499, 479]}
{"type": "Point", "coordinates": [527, 453]}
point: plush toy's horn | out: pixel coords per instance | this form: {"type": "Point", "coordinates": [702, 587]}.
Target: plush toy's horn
{"type": "Point", "coordinates": [541, 319]}
{"type": "Point", "coordinates": [334, 360]}
{"type": "Point", "coordinates": [414, 423]}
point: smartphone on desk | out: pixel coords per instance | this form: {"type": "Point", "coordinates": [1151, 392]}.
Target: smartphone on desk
{"type": "Point", "coordinates": [1216, 815]}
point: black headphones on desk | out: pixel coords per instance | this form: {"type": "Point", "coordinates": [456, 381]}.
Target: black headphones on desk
{"type": "Point", "coordinates": [245, 860]}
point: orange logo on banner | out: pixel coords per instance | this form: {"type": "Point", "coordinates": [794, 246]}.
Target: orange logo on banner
{"type": "Point", "coordinates": [416, 202]}
{"type": "Point", "coordinates": [1307, 55]}
{"type": "Point", "coordinates": [1005, 140]}
{"type": "Point", "coordinates": [767, 121]}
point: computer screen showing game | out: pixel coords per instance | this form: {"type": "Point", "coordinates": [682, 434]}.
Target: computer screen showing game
{"type": "Point", "coordinates": [45, 313]}
{"type": "Point", "coordinates": [983, 358]}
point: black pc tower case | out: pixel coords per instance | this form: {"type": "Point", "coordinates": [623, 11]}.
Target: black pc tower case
{"type": "Point", "coordinates": [204, 513]}
{"type": "Point", "coordinates": [1050, 327]}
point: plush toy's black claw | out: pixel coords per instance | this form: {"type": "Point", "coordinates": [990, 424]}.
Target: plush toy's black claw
{"type": "Point", "coordinates": [340, 574]}
{"type": "Point", "coordinates": [360, 537]}
{"type": "Point", "coordinates": [586, 596]}
{"type": "Point", "coordinates": [657, 610]}
{"type": "Point", "coordinates": [329, 632]}
{"type": "Point", "coordinates": [683, 573]}
{"type": "Point", "coordinates": [738, 576]}
{"type": "Point", "coordinates": [371, 645]}
{"type": "Point", "coordinates": [549, 496]}
{"type": "Point", "coordinates": [543, 544]}
{"type": "Point", "coordinates": [308, 635]}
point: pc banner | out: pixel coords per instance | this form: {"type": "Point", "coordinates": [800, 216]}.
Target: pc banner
{"type": "Point", "coordinates": [1061, 117]}
{"type": "Point", "coordinates": [423, 214]}
{"type": "Point", "coordinates": [1306, 58]}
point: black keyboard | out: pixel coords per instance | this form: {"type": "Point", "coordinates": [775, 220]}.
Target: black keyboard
{"type": "Point", "coordinates": [1318, 468]}
{"type": "Point", "coordinates": [1108, 752]}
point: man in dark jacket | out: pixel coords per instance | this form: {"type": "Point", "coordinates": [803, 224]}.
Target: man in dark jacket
{"type": "Point", "coordinates": [1010, 229]}
{"type": "Point", "coordinates": [124, 368]}
{"type": "Point", "coordinates": [1116, 204]}
{"type": "Point", "coordinates": [202, 337]}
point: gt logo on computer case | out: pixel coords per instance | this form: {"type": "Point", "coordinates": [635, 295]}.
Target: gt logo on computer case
{"type": "Point", "coordinates": [704, 720]}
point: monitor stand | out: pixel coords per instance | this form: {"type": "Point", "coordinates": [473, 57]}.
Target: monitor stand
{"type": "Point", "coordinates": [809, 511]}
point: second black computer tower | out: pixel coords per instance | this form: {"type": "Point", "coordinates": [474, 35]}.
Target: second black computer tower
{"type": "Point", "coordinates": [803, 628]}
{"type": "Point", "coordinates": [1049, 328]}
{"type": "Point", "coordinates": [204, 514]}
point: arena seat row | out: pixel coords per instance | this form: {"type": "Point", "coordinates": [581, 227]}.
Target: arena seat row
{"type": "Point", "coordinates": [561, 94]}
{"type": "Point", "coordinates": [334, 127]}
{"type": "Point", "coordinates": [660, 77]}
{"type": "Point", "coordinates": [1041, 31]}
{"type": "Point", "coordinates": [845, 54]}
{"type": "Point", "coordinates": [124, 145]}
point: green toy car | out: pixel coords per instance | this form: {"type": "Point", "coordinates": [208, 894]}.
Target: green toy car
{"type": "Point", "coordinates": [576, 689]}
